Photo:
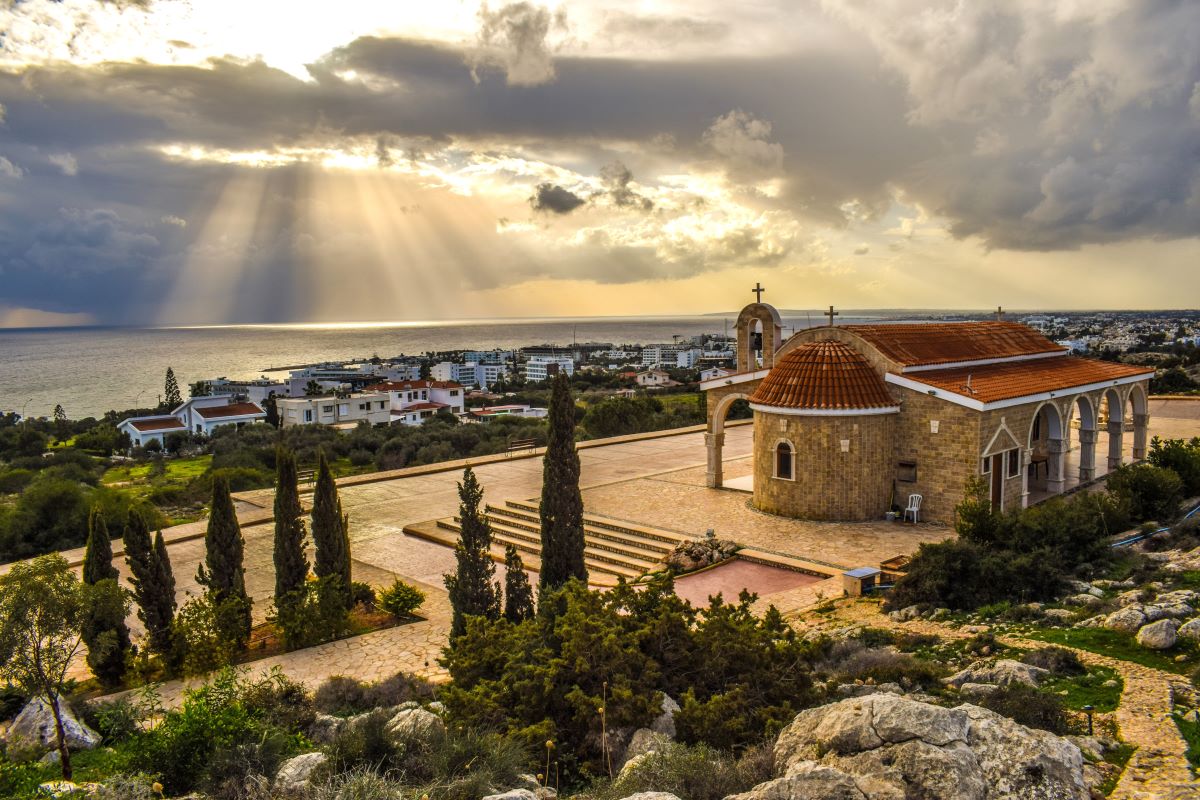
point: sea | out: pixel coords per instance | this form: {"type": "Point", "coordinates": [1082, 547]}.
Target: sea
{"type": "Point", "coordinates": [91, 370]}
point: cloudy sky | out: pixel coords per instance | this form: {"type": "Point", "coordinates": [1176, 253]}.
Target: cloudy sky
{"type": "Point", "coordinates": [223, 161]}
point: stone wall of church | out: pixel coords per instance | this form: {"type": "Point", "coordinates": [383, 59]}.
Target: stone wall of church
{"type": "Point", "coordinates": [943, 459]}
{"type": "Point", "coordinates": [841, 469]}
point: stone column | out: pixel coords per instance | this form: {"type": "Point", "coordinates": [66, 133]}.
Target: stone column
{"type": "Point", "coordinates": [715, 442]}
{"type": "Point", "coordinates": [1087, 455]}
{"type": "Point", "coordinates": [1055, 450]}
{"type": "Point", "coordinates": [1116, 429]}
{"type": "Point", "coordinates": [1026, 462]}
{"type": "Point", "coordinates": [1141, 424]}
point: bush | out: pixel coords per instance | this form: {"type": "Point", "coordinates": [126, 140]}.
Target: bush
{"type": "Point", "coordinates": [200, 646]}
{"type": "Point", "coordinates": [400, 599]}
{"type": "Point", "coordinates": [1059, 660]}
{"type": "Point", "coordinates": [1183, 458]}
{"type": "Point", "coordinates": [344, 696]}
{"type": "Point", "coordinates": [115, 720]}
{"type": "Point", "coordinates": [313, 615]}
{"type": "Point", "coordinates": [1029, 707]}
{"type": "Point", "coordinates": [1153, 493]}
{"type": "Point", "coordinates": [12, 700]}
{"type": "Point", "coordinates": [14, 481]}
{"type": "Point", "coordinates": [888, 666]}
{"type": "Point", "coordinates": [366, 743]}
{"type": "Point", "coordinates": [695, 772]}
{"type": "Point", "coordinates": [361, 594]}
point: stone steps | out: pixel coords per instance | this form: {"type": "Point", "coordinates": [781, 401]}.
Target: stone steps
{"type": "Point", "coordinates": [626, 542]}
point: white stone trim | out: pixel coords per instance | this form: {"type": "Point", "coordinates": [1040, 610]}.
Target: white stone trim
{"type": "Point", "coordinates": [734, 379]}
{"type": "Point", "coordinates": [824, 412]}
{"type": "Point", "coordinates": [984, 361]}
{"type": "Point", "coordinates": [971, 402]}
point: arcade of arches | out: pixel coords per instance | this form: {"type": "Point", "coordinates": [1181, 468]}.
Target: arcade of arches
{"type": "Point", "coordinates": [852, 420]}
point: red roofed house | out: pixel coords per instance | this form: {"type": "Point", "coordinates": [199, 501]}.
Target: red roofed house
{"type": "Point", "coordinates": [413, 402]}
{"type": "Point", "coordinates": [852, 420]}
{"type": "Point", "coordinates": [199, 415]}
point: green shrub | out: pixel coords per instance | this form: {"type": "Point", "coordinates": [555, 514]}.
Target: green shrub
{"type": "Point", "coordinates": [313, 615]}
{"type": "Point", "coordinates": [344, 696]}
{"type": "Point", "coordinates": [200, 647]}
{"type": "Point", "coordinates": [1059, 660]}
{"type": "Point", "coordinates": [696, 772]}
{"type": "Point", "coordinates": [1183, 458]}
{"type": "Point", "coordinates": [14, 481]}
{"type": "Point", "coordinates": [115, 720]}
{"type": "Point", "coordinates": [366, 743]}
{"type": "Point", "coordinates": [1029, 707]}
{"type": "Point", "coordinates": [361, 594]}
{"type": "Point", "coordinates": [888, 666]}
{"type": "Point", "coordinates": [12, 700]}
{"type": "Point", "coordinates": [1153, 493]}
{"type": "Point", "coordinates": [400, 599]}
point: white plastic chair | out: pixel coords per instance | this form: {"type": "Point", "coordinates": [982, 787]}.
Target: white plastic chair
{"type": "Point", "coordinates": [914, 508]}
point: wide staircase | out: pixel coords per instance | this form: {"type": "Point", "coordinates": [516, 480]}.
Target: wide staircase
{"type": "Point", "coordinates": [612, 548]}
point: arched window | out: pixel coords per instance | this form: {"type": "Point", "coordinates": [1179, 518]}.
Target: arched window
{"type": "Point", "coordinates": [783, 461]}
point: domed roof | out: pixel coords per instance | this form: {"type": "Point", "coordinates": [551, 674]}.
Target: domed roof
{"type": "Point", "coordinates": [823, 376]}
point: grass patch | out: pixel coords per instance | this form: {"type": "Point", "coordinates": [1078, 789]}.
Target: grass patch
{"type": "Point", "coordinates": [1116, 645]}
{"type": "Point", "coordinates": [1119, 756]}
{"type": "Point", "coordinates": [1088, 689]}
{"type": "Point", "coordinates": [180, 470]}
{"type": "Point", "coordinates": [1190, 731]}
{"type": "Point", "coordinates": [1187, 580]}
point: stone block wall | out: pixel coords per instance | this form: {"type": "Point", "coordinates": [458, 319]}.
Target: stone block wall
{"type": "Point", "coordinates": [830, 482]}
{"type": "Point", "coordinates": [944, 460]}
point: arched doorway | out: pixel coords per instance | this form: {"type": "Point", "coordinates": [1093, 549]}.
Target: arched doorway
{"type": "Point", "coordinates": [1082, 418]}
{"type": "Point", "coordinates": [1046, 447]}
{"type": "Point", "coordinates": [714, 439]}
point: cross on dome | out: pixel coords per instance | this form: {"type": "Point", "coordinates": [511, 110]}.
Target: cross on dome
{"type": "Point", "coordinates": [758, 291]}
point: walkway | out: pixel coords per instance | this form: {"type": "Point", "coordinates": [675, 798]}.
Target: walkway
{"type": "Point", "coordinates": [1158, 769]}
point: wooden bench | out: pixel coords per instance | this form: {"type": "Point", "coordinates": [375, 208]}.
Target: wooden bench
{"type": "Point", "coordinates": [306, 476]}
{"type": "Point", "coordinates": [517, 445]}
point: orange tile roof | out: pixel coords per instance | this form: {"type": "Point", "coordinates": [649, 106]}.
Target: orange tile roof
{"type": "Point", "coordinates": [422, 407]}
{"type": "Point", "coordinates": [913, 344]}
{"type": "Point", "coordinates": [992, 382]}
{"type": "Point", "coordinates": [823, 375]}
{"type": "Point", "coordinates": [163, 424]}
{"type": "Point", "coordinates": [231, 410]}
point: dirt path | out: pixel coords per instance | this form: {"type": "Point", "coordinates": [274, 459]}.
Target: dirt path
{"type": "Point", "coordinates": [1158, 769]}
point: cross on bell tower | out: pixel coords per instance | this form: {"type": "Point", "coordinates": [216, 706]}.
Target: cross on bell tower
{"type": "Point", "coordinates": [831, 314]}
{"type": "Point", "coordinates": [1000, 313]}
{"type": "Point", "coordinates": [758, 291]}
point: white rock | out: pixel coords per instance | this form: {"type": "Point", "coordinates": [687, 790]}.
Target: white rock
{"type": "Point", "coordinates": [651, 796]}
{"type": "Point", "coordinates": [1161, 610]}
{"type": "Point", "coordinates": [416, 723]}
{"type": "Point", "coordinates": [664, 723]}
{"type": "Point", "coordinates": [1190, 630]}
{"type": "Point", "coordinates": [1130, 597]}
{"type": "Point", "coordinates": [1003, 672]}
{"type": "Point", "coordinates": [976, 691]}
{"type": "Point", "coordinates": [513, 794]}
{"type": "Point", "coordinates": [296, 772]}
{"type": "Point", "coordinates": [1159, 635]}
{"type": "Point", "coordinates": [1085, 600]}
{"type": "Point", "coordinates": [1059, 615]}
{"type": "Point", "coordinates": [33, 732]}
{"type": "Point", "coordinates": [1127, 620]}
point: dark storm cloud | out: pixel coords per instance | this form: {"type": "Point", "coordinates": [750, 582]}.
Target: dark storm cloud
{"type": "Point", "coordinates": [555, 199]}
{"type": "Point", "coordinates": [617, 177]}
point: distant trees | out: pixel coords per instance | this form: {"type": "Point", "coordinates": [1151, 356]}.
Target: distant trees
{"type": "Point", "coordinates": [107, 604]}
{"type": "Point", "coordinates": [617, 416]}
{"type": "Point", "coordinates": [171, 395]}
{"type": "Point", "coordinates": [223, 570]}
{"type": "Point", "coordinates": [518, 594]}
{"type": "Point", "coordinates": [330, 531]}
{"type": "Point", "coordinates": [153, 582]}
{"type": "Point", "coordinates": [41, 615]}
{"type": "Point", "coordinates": [472, 590]}
{"type": "Point", "coordinates": [291, 563]}
{"type": "Point", "coordinates": [562, 503]}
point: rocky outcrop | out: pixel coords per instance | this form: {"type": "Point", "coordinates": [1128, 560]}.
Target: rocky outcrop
{"type": "Point", "coordinates": [1159, 635]}
{"type": "Point", "coordinates": [33, 733]}
{"type": "Point", "coordinates": [651, 796]}
{"type": "Point", "coordinates": [416, 723]}
{"type": "Point", "coordinates": [1126, 620]}
{"type": "Point", "coordinates": [296, 773]}
{"type": "Point", "coordinates": [884, 747]}
{"type": "Point", "coordinates": [691, 556]}
{"type": "Point", "coordinates": [664, 723]}
{"type": "Point", "coordinates": [1189, 630]}
{"type": "Point", "coordinates": [513, 794]}
{"type": "Point", "coordinates": [1003, 672]}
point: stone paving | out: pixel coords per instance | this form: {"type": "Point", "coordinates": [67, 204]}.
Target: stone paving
{"type": "Point", "coordinates": [1158, 769]}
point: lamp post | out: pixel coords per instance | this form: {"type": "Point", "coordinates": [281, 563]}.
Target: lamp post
{"type": "Point", "coordinates": [1088, 710]}
{"type": "Point", "coordinates": [24, 406]}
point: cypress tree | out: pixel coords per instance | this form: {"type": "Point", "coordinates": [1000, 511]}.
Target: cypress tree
{"type": "Point", "coordinates": [98, 555]}
{"type": "Point", "coordinates": [518, 595]}
{"type": "Point", "coordinates": [153, 583]}
{"type": "Point", "coordinates": [291, 564]}
{"type": "Point", "coordinates": [472, 591]}
{"type": "Point", "coordinates": [562, 504]}
{"type": "Point", "coordinates": [330, 530]}
{"type": "Point", "coordinates": [171, 394]}
{"type": "Point", "coordinates": [223, 572]}
{"type": "Point", "coordinates": [103, 629]}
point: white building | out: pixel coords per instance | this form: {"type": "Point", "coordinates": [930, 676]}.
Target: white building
{"type": "Point", "coordinates": [673, 356]}
{"type": "Point", "coordinates": [471, 373]}
{"type": "Point", "coordinates": [540, 368]}
{"type": "Point", "coordinates": [491, 412]}
{"type": "Point", "coordinates": [199, 415]}
{"type": "Point", "coordinates": [496, 356]}
{"type": "Point", "coordinates": [655, 377]}
{"type": "Point", "coordinates": [413, 402]}
{"type": "Point", "coordinates": [256, 391]}
{"type": "Point", "coordinates": [342, 412]}
{"type": "Point", "coordinates": [714, 372]}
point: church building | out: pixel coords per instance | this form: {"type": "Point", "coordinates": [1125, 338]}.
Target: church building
{"type": "Point", "coordinates": [852, 420]}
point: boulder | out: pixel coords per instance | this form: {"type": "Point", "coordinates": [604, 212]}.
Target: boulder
{"type": "Point", "coordinates": [664, 723]}
{"type": "Point", "coordinates": [1161, 610]}
{"type": "Point", "coordinates": [1003, 672]}
{"type": "Point", "coordinates": [884, 747]}
{"type": "Point", "coordinates": [1131, 597]}
{"type": "Point", "coordinates": [643, 741]}
{"type": "Point", "coordinates": [1159, 635]}
{"type": "Point", "coordinates": [1126, 620]}
{"type": "Point", "coordinates": [976, 691]}
{"type": "Point", "coordinates": [1091, 622]}
{"type": "Point", "coordinates": [1188, 596]}
{"type": "Point", "coordinates": [1085, 600]}
{"type": "Point", "coordinates": [295, 773]}
{"type": "Point", "coordinates": [33, 732]}
{"type": "Point", "coordinates": [651, 796]}
{"type": "Point", "coordinates": [513, 794]}
{"type": "Point", "coordinates": [1059, 615]}
{"type": "Point", "coordinates": [1190, 630]}
{"type": "Point", "coordinates": [906, 614]}
{"type": "Point", "coordinates": [324, 728]}
{"type": "Point", "coordinates": [416, 723]}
